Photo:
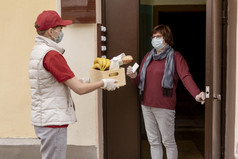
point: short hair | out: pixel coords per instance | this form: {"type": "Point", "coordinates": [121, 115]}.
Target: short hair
{"type": "Point", "coordinates": [42, 32]}
{"type": "Point", "coordinates": [39, 32]}
{"type": "Point", "coordinates": [165, 32]}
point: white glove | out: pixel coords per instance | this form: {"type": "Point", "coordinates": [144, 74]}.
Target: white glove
{"type": "Point", "coordinates": [109, 84]}
{"type": "Point", "coordinates": [130, 73]}
{"type": "Point", "coordinates": [85, 79]}
{"type": "Point", "coordinates": [200, 97]}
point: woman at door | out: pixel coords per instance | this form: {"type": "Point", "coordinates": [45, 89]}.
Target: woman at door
{"type": "Point", "coordinates": [157, 80]}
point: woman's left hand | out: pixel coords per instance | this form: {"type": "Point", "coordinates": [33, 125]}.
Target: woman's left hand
{"type": "Point", "coordinates": [130, 73]}
{"type": "Point", "coordinates": [200, 97]}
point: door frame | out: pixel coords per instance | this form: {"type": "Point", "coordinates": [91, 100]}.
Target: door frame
{"type": "Point", "coordinates": [215, 16]}
{"type": "Point", "coordinates": [210, 42]}
{"type": "Point", "coordinates": [208, 82]}
{"type": "Point", "coordinates": [189, 8]}
{"type": "Point", "coordinates": [209, 62]}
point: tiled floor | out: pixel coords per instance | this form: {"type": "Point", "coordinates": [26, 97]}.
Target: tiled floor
{"type": "Point", "coordinates": [189, 138]}
{"type": "Point", "coordinates": [187, 150]}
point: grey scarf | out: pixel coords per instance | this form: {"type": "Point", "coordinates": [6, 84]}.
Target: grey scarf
{"type": "Point", "coordinates": [167, 81]}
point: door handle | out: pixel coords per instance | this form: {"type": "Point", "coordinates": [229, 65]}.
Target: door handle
{"type": "Point", "coordinates": [207, 91]}
{"type": "Point", "coordinates": [217, 96]}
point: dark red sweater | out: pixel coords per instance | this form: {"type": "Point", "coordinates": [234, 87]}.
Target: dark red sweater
{"type": "Point", "coordinates": [153, 96]}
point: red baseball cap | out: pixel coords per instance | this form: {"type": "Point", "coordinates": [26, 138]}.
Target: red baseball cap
{"type": "Point", "coordinates": [49, 19]}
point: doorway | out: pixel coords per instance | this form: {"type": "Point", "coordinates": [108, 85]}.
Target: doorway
{"type": "Point", "coordinates": [188, 24]}
{"type": "Point", "coordinates": [128, 30]}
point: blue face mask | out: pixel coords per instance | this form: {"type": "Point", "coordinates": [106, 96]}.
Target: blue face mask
{"type": "Point", "coordinates": [60, 37]}
{"type": "Point", "coordinates": [158, 43]}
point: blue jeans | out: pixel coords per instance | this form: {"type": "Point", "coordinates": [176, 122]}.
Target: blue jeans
{"type": "Point", "coordinates": [159, 125]}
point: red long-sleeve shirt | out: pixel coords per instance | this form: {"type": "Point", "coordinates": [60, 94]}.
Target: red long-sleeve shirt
{"type": "Point", "coordinates": [153, 96]}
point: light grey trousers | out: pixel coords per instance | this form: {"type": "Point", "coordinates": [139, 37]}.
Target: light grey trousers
{"type": "Point", "coordinates": [53, 142]}
{"type": "Point", "coordinates": [159, 125]}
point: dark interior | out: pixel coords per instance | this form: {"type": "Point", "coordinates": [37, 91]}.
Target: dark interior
{"type": "Point", "coordinates": [189, 39]}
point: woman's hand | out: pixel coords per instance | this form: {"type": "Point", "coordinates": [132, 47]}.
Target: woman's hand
{"type": "Point", "coordinates": [130, 73]}
{"type": "Point", "coordinates": [200, 97]}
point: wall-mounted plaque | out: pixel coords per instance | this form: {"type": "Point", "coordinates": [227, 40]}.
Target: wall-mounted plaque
{"type": "Point", "coordinates": [79, 11]}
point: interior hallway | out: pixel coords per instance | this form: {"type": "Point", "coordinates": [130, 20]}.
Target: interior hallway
{"type": "Point", "coordinates": [188, 28]}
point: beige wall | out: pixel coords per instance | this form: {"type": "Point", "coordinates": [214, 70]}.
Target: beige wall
{"type": "Point", "coordinates": [79, 42]}
{"type": "Point", "coordinates": [17, 38]}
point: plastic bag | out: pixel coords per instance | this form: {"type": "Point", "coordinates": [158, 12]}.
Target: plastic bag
{"type": "Point", "coordinates": [116, 62]}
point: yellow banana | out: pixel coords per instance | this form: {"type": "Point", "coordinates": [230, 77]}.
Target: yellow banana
{"type": "Point", "coordinates": [107, 64]}
{"type": "Point", "coordinates": [97, 66]}
{"type": "Point", "coordinates": [101, 63]}
{"type": "Point", "coordinates": [104, 62]}
{"type": "Point", "coordinates": [98, 60]}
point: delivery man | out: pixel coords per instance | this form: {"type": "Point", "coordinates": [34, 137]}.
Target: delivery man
{"type": "Point", "coordinates": [51, 79]}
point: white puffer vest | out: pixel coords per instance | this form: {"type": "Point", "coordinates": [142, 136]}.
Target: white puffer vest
{"type": "Point", "coordinates": [51, 101]}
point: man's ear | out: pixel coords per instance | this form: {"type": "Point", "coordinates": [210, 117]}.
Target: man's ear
{"type": "Point", "coordinates": [50, 30]}
{"type": "Point", "coordinates": [48, 33]}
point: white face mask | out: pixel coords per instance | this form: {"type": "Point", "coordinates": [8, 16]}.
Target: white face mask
{"type": "Point", "coordinates": [158, 43]}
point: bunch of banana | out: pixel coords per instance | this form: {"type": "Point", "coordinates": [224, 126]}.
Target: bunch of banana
{"type": "Point", "coordinates": [101, 63]}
